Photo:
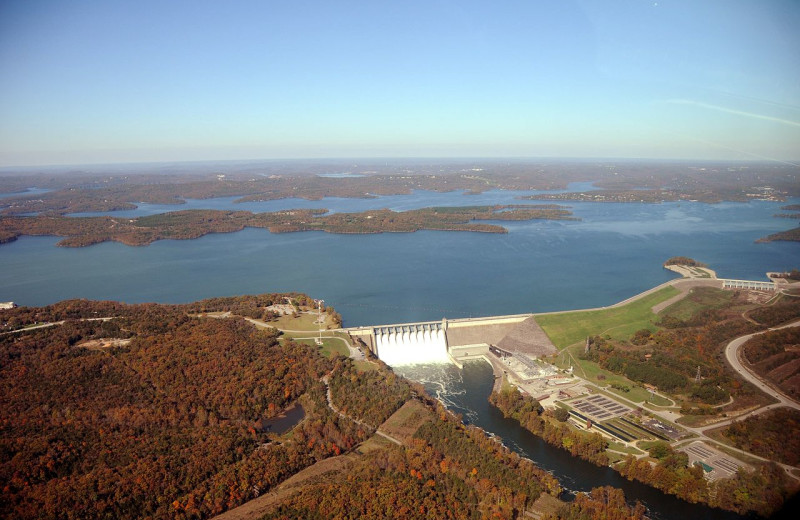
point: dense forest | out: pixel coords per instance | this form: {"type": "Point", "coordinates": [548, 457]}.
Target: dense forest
{"type": "Point", "coordinates": [446, 471]}
{"type": "Point", "coordinates": [162, 425]}
{"type": "Point", "coordinates": [189, 224]}
{"type": "Point", "coordinates": [168, 422]}
{"type": "Point", "coordinates": [775, 355]}
{"type": "Point", "coordinates": [767, 435]}
{"type": "Point", "coordinates": [762, 491]}
{"type": "Point", "coordinates": [607, 503]}
{"type": "Point", "coordinates": [253, 306]}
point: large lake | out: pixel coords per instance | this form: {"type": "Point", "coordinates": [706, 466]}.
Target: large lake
{"type": "Point", "coordinates": [613, 252]}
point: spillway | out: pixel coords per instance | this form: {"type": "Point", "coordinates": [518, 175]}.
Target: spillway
{"type": "Point", "coordinates": [411, 344]}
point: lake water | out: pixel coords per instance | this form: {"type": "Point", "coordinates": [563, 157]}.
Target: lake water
{"type": "Point", "coordinates": [615, 251]}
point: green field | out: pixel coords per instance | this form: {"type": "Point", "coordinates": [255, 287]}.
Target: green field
{"type": "Point", "coordinates": [300, 321]}
{"type": "Point", "coordinates": [698, 299]}
{"type": "Point", "coordinates": [637, 394]}
{"type": "Point", "coordinates": [618, 446]}
{"type": "Point", "coordinates": [568, 328]}
{"type": "Point", "coordinates": [330, 346]}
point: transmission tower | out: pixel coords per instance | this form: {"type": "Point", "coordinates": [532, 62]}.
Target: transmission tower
{"type": "Point", "coordinates": [697, 377]}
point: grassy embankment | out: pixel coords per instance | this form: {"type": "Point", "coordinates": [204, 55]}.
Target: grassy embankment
{"type": "Point", "coordinates": [701, 298]}
{"type": "Point", "coordinates": [568, 332]}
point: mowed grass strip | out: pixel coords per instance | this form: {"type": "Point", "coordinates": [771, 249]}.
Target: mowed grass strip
{"type": "Point", "coordinates": [567, 328]}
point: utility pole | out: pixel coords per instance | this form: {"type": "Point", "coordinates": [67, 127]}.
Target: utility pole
{"type": "Point", "coordinates": [319, 320]}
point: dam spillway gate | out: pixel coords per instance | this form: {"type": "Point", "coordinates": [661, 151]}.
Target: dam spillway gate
{"type": "Point", "coordinates": [411, 343]}
{"type": "Point", "coordinates": [441, 341]}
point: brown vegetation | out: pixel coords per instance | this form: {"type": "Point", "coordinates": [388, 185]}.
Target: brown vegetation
{"type": "Point", "coordinates": [652, 182]}
{"type": "Point", "coordinates": [165, 425]}
{"type": "Point", "coordinates": [772, 435]}
{"type": "Point", "coordinates": [182, 225]}
{"type": "Point", "coordinates": [790, 235]}
{"type": "Point", "coordinates": [161, 427]}
{"type": "Point", "coordinates": [775, 355]}
{"type": "Point", "coordinates": [446, 471]}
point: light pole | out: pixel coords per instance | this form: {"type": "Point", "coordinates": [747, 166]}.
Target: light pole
{"type": "Point", "coordinates": [319, 320]}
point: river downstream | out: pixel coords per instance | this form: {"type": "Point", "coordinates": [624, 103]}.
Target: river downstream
{"type": "Point", "coordinates": [466, 392]}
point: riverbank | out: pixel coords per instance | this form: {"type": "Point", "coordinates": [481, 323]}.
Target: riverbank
{"type": "Point", "coordinates": [663, 471]}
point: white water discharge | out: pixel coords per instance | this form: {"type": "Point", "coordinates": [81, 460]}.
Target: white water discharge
{"type": "Point", "coordinates": [412, 344]}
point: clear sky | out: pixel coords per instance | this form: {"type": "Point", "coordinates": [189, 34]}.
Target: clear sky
{"type": "Point", "coordinates": [123, 81]}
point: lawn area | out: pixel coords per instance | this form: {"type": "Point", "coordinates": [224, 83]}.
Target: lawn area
{"type": "Point", "coordinates": [638, 394]}
{"type": "Point", "coordinates": [330, 346]}
{"type": "Point", "coordinates": [698, 299]}
{"type": "Point", "coordinates": [568, 328]}
{"type": "Point", "coordinates": [618, 446]}
{"type": "Point", "coordinates": [376, 442]}
{"type": "Point", "coordinates": [300, 321]}
{"type": "Point", "coordinates": [646, 445]}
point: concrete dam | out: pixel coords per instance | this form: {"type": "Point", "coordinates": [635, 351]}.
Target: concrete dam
{"type": "Point", "coordinates": [447, 340]}
{"type": "Point", "coordinates": [412, 343]}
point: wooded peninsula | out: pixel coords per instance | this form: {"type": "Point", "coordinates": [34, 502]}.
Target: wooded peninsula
{"type": "Point", "coordinates": [181, 225]}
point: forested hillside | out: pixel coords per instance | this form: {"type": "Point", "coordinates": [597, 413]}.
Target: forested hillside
{"type": "Point", "coordinates": [163, 426]}
{"type": "Point", "coordinates": [158, 411]}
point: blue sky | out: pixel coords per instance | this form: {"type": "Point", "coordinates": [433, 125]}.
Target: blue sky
{"type": "Point", "coordinates": [118, 81]}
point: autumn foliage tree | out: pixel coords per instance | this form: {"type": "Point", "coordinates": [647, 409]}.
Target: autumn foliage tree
{"type": "Point", "coordinates": [164, 425]}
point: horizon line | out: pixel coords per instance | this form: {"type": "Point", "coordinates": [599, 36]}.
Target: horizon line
{"type": "Point", "coordinates": [756, 160]}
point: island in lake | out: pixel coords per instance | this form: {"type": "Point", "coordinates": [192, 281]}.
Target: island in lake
{"type": "Point", "coordinates": [65, 193]}
{"type": "Point", "coordinates": [84, 231]}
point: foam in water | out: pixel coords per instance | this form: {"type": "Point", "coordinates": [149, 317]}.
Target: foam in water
{"type": "Point", "coordinates": [412, 344]}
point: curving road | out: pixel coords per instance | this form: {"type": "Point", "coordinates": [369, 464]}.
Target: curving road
{"type": "Point", "coordinates": [732, 354]}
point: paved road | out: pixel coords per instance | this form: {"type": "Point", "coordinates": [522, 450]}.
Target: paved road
{"type": "Point", "coordinates": [54, 323]}
{"type": "Point", "coordinates": [732, 354]}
